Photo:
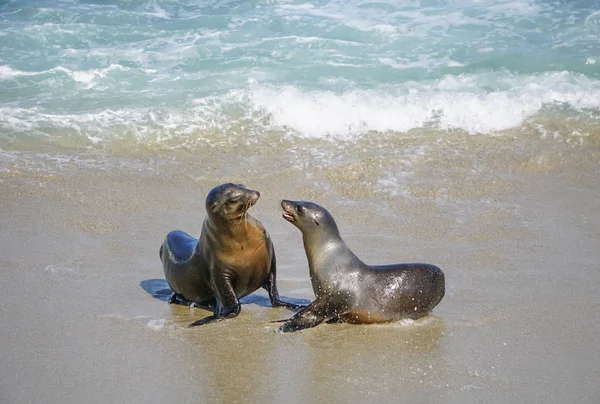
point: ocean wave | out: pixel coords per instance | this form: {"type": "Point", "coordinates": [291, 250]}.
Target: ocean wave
{"type": "Point", "coordinates": [485, 103]}
{"type": "Point", "coordinates": [83, 76]}
{"type": "Point", "coordinates": [42, 86]}
{"type": "Point", "coordinates": [390, 19]}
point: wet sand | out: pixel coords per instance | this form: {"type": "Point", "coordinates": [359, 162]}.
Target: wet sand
{"type": "Point", "coordinates": [84, 317]}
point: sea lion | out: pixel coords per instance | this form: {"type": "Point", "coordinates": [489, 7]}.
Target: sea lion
{"type": "Point", "coordinates": [233, 257]}
{"type": "Point", "coordinates": [349, 290]}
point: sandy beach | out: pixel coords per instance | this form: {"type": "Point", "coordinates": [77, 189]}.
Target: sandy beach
{"type": "Point", "coordinates": [84, 316]}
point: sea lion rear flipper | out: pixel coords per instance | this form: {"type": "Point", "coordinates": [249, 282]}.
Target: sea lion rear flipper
{"type": "Point", "coordinates": [311, 316]}
{"type": "Point", "coordinates": [176, 298]}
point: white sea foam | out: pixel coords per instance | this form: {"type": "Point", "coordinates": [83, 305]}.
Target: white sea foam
{"type": "Point", "coordinates": [592, 23]}
{"type": "Point", "coordinates": [454, 102]}
{"type": "Point", "coordinates": [62, 267]}
{"type": "Point", "coordinates": [463, 102]}
{"type": "Point", "coordinates": [427, 62]}
{"type": "Point", "coordinates": [121, 316]}
{"type": "Point", "coordinates": [54, 28]}
{"type": "Point", "coordinates": [157, 12]}
{"type": "Point", "coordinates": [7, 73]}
{"type": "Point", "coordinates": [159, 324]}
{"type": "Point", "coordinates": [152, 323]}
{"type": "Point", "coordinates": [86, 77]}
{"type": "Point", "coordinates": [414, 323]}
{"type": "Point", "coordinates": [515, 8]}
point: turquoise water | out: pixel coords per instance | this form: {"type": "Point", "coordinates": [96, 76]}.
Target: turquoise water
{"type": "Point", "coordinates": [149, 72]}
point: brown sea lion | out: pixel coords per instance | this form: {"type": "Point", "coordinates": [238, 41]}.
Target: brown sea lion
{"type": "Point", "coordinates": [233, 257]}
{"type": "Point", "coordinates": [349, 290]}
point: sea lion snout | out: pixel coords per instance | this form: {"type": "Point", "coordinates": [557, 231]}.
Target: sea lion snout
{"type": "Point", "coordinates": [288, 210]}
{"type": "Point", "coordinates": [254, 196]}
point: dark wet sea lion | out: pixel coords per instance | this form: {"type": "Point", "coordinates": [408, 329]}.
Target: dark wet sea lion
{"type": "Point", "coordinates": [349, 290]}
{"type": "Point", "coordinates": [233, 257]}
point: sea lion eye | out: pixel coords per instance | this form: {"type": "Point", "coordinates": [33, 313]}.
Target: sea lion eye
{"type": "Point", "coordinates": [299, 209]}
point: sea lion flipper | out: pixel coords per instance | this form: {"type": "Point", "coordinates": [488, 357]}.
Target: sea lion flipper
{"type": "Point", "coordinates": [176, 298]}
{"type": "Point", "coordinates": [233, 312]}
{"type": "Point", "coordinates": [276, 302]}
{"type": "Point", "coordinates": [172, 299]}
{"type": "Point", "coordinates": [311, 316]}
{"type": "Point", "coordinates": [271, 287]}
{"type": "Point", "coordinates": [229, 306]}
{"type": "Point", "coordinates": [223, 314]}
{"type": "Point", "coordinates": [206, 320]}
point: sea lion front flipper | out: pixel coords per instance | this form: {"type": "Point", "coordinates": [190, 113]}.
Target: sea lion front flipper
{"type": "Point", "coordinates": [271, 286]}
{"type": "Point", "coordinates": [228, 305]}
{"type": "Point", "coordinates": [311, 316]}
{"type": "Point", "coordinates": [218, 316]}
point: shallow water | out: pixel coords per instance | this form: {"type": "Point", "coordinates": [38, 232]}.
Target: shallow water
{"type": "Point", "coordinates": [466, 135]}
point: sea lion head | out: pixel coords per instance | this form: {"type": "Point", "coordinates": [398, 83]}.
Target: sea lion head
{"type": "Point", "coordinates": [230, 201]}
{"type": "Point", "coordinates": [309, 217]}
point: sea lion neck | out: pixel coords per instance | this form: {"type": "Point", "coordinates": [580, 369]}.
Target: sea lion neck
{"type": "Point", "coordinates": [320, 247]}
{"type": "Point", "coordinates": [235, 229]}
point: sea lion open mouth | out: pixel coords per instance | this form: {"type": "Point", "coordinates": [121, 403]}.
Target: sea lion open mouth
{"type": "Point", "coordinates": [287, 208]}
{"type": "Point", "coordinates": [288, 216]}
